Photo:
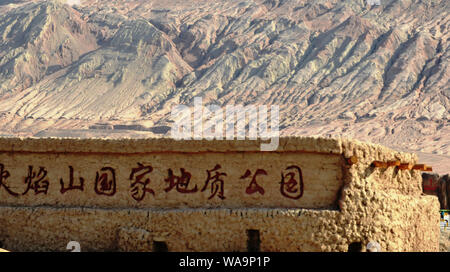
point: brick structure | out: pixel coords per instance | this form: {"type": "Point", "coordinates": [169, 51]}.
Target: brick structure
{"type": "Point", "coordinates": [312, 194]}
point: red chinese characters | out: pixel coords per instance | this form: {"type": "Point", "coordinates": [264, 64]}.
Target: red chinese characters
{"type": "Point", "coordinates": [254, 187]}
{"type": "Point", "coordinates": [4, 174]}
{"type": "Point", "coordinates": [105, 183]}
{"type": "Point", "coordinates": [291, 184]}
{"type": "Point", "coordinates": [217, 184]}
{"type": "Point", "coordinates": [139, 185]}
{"type": "Point", "coordinates": [36, 181]}
{"type": "Point", "coordinates": [290, 187]}
{"type": "Point", "coordinates": [180, 183]}
{"type": "Point", "coordinates": [71, 185]}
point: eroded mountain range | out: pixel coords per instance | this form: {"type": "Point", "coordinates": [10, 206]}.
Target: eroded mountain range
{"type": "Point", "coordinates": [115, 68]}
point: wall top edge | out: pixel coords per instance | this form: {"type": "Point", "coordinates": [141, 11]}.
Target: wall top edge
{"type": "Point", "coordinates": [314, 144]}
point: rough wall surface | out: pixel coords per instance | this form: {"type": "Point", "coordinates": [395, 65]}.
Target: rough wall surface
{"type": "Point", "coordinates": [173, 180]}
{"type": "Point", "coordinates": [305, 196]}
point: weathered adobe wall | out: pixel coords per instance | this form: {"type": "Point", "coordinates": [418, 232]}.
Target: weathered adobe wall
{"type": "Point", "coordinates": [333, 204]}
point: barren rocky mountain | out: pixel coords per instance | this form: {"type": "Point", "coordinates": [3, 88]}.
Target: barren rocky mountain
{"type": "Point", "coordinates": [97, 68]}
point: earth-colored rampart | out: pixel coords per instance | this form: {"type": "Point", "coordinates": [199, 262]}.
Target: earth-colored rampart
{"type": "Point", "coordinates": [312, 194]}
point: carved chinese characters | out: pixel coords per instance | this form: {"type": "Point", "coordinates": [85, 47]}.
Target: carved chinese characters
{"type": "Point", "coordinates": [105, 181]}
{"type": "Point", "coordinates": [170, 180]}
{"type": "Point", "coordinates": [37, 180]}
{"type": "Point", "coordinates": [180, 183]}
{"type": "Point", "coordinates": [217, 183]}
{"type": "Point", "coordinates": [291, 184]}
{"type": "Point", "coordinates": [140, 181]}
{"type": "Point", "coordinates": [4, 175]}
{"type": "Point", "coordinates": [253, 187]}
{"type": "Point", "coordinates": [71, 185]}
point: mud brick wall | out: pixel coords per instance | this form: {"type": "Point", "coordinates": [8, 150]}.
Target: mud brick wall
{"type": "Point", "coordinates": [128, 195]}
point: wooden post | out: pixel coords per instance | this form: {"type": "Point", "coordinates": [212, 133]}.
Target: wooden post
{"type": "Point", "coordinates": [379, 164]}
{"type": "Point", "coordinates": [405, 166]}
{"type": "Point", "coordinates": [393, 163]}
{"type": "Point", "coordinates": [420, 167]}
